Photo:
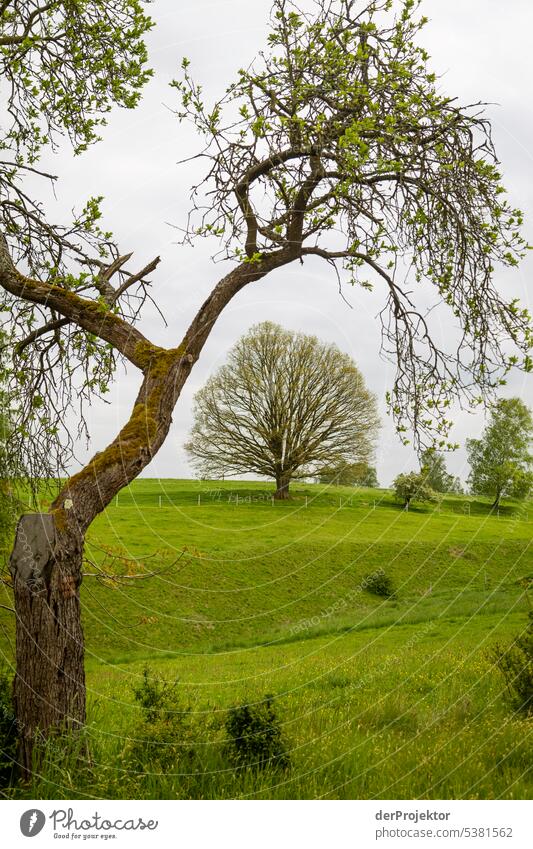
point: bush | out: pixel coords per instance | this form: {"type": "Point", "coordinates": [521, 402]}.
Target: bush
{"type": "Point", "coordinates": [516, 665]}
{"type": "Point", "coordinates": [255, 736]}
{"type": "Point", "coordinates": [156, 696]}
{"type": "Point", "coordinates": [164, 737]}
{"type": "Point", "coordinates": [8, 729]}
{"type": "Point", "coordinates": [413, 487]}
{"type": "Point", "coordinates": [379, 583]}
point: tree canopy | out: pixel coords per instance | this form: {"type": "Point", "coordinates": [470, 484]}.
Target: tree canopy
{"type": "Point", "coordinates": [338, 143]}
{"type": "Point", "coordinates": [413, 486]}
{"type": "Point", "coordinates": [284, 405]}
{"type": "Point", "coordinates": [63, 65]}
{"type": "Point", "coordinates": [500, 461]}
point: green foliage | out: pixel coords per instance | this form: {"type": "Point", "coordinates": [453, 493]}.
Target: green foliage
{"type": "Point", "coordinates": [413, 486]}
{"type": "Point", "coordinates": [8, 729]}
{"type": "Point", "coordinates": [163, 739]}
{"type": "Point", "coordinates": [350, 474]}
{"type": "Point", "coordinates": [380, 584]}
{"type": "Point", "coordinates": [516, 665]}
{"type": "Point", "coordinates": [255, 738]}
{"type": "Point", "coordinates": [155, 696]}
{"type": "Point", "coordinates": [433, 467]}
{"type": "Point", "coordinates": [500, 461]}
{"type": "Point", "coordinates": [66, 64]}
{"type": "Point", "coordinates": [340, 125]}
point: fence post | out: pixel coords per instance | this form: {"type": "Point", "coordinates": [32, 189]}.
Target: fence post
{"type": "Point", "coordinates": [160, 501]}
{"type": "Point", "coordinates": [199, 499]}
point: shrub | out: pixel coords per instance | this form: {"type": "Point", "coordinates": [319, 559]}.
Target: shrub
{"type": "Point", "coordinates": [255, 736]}
{"type": "Point", "coordinates": [155, 696]}
{"type": "Point", "coordinates": [516, 665]}
{"type": "Point", "coordinates": [379, 583]}
{"type": "Point", "coordinates": [8, 729]}
{"type": "Point", "coordinates": [164, 737]}
{"type": "Point", "coordinates": [413, 487]}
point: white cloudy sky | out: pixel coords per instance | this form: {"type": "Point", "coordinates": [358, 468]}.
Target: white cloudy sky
{"type": "Point", "coordinates": [481, 47]}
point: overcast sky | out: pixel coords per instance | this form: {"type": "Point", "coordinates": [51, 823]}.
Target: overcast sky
{"type": "Point", "coordinates": [481, 47]}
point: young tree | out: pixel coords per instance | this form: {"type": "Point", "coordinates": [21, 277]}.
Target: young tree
{"type": "Point", "coordinates": [335, 144]}
{"type": "Point", "coordinates": [413, 486]}
{"type": "Point", "coordinates": [350, 474]}
{"type": "Point", "coordinates": [282, 406]}
{"type": "Point", "coordinates": [433, 466]}
{"type": "Point", "coordinates": [500, 462]}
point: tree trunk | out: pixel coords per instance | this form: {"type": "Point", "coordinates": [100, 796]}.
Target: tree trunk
{"type": "Point", "coordinates": [49, 690]}
{"type": "Point", "coordinates": [282, 487]}
{"type": "Point", "coordinates": [496, 502]}
{"type": "Point", "coordinates": [46, 562]}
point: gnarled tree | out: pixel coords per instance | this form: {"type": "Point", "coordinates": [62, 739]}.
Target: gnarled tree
{"type": "Point", "coordinates": [335, 144]}
{"type": "Point", "coordinates": [283, 406]}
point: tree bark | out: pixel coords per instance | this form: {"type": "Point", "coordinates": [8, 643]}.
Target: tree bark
{"type": "Point", "coordinates": [49, 688]}
{"type": "Point", "coordinates": [282, 487]}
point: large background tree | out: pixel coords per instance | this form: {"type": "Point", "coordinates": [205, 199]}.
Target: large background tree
{"type": "Point", "coordinates": [282, 406]}
{"type": "Point", "coordinates": [433, 467]}
{"type": "Point", "coordinates": [500, 461]}
{"type": "Point", "coordinates": [335, 144]}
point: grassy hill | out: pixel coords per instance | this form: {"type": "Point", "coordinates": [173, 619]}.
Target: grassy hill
{"type": "Point", "coordinates": [388, 697]}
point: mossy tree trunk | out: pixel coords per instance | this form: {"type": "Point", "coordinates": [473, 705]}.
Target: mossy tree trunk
{"type": "Point", "coordinates": [49, 689]}
{"type": "Point", "coordinates": [47, 573]}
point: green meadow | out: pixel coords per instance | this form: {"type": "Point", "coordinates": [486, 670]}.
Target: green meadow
{"type": "Point", "coordinates": [377, 697]}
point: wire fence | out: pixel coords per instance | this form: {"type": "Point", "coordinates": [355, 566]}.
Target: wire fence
{"type": "Point", "coordinates": [242, 499]}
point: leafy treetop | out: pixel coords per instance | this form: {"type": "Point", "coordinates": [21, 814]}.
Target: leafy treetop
{"type": "Point", "coordinates": [338, 143]}
{"type": "Point", "coordinates": [64, 64]}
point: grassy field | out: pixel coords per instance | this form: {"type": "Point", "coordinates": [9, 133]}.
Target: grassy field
{"type": "Point", "coordinates": [377, 697]}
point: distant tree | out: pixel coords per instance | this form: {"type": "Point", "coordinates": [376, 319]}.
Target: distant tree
{"type": "Point", "coordinates": [350, 474]}
{"type": "Point", "coordinates": [413, 486]}
{"type": "Point", "coordinates": [500, 462]}
{"type": "Point", "coordinates": [284, 406]}
{"type": "Point", "coordinates": [433, 466]}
